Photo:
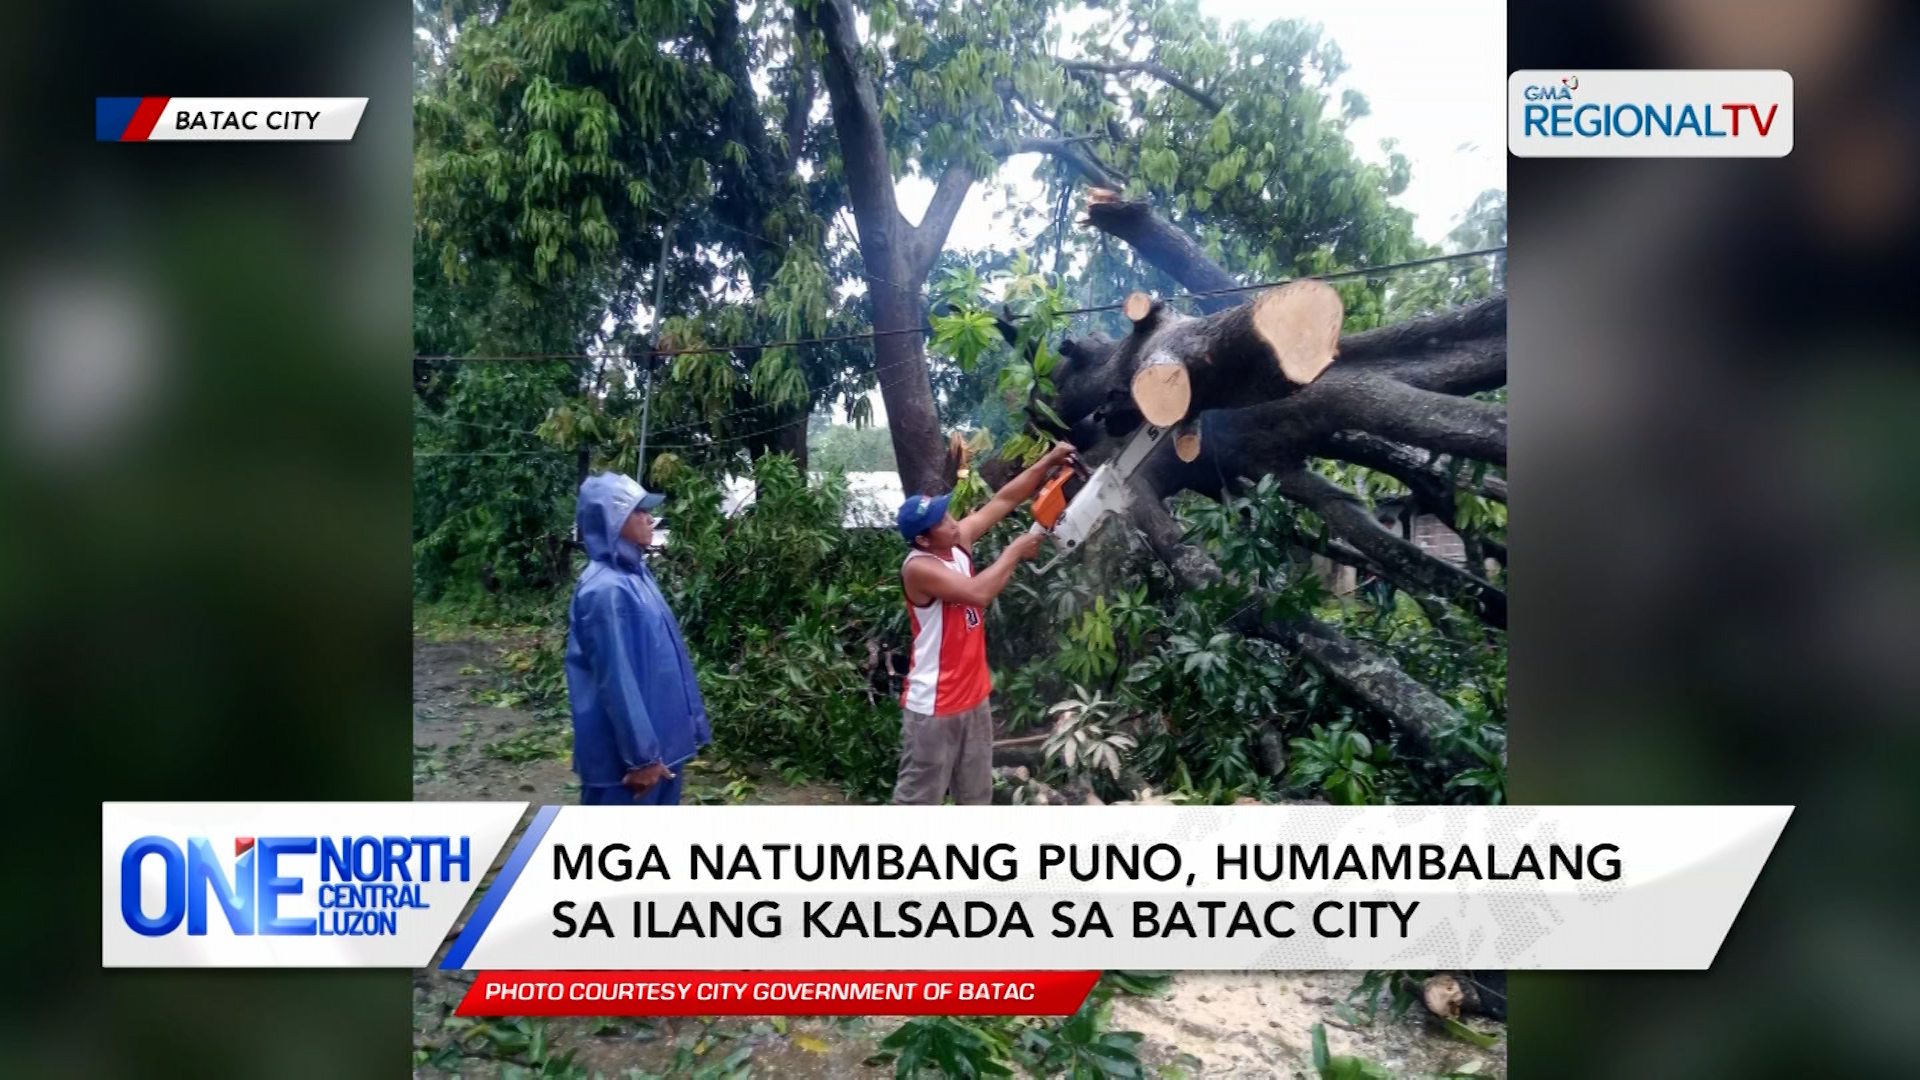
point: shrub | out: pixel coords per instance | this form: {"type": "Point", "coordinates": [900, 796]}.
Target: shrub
{"type": "Point", "coordinates": [786, 613]}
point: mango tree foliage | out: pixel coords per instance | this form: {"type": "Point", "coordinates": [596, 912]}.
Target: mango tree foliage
{"type": "Point", "coordinates": [1445, 285]}
{"type": "Point", "coordinates": [565, 137]}
{"type": "Point", "coordinates": [1237, 134]}
{"type": "Point", "coordinates": [559, 141]}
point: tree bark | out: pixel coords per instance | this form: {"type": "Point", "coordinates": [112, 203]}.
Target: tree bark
{"type": "Point", "coordinates": [799, 89]}
{"type": "Point", "coordinates": [785, 433]}
{"type": "Point", "coordinates": [1392, 393]}
{"type": "Point", "coordinates": [1075, 154]}
{"type": "Point", "coordinates": [1165, 246]}
{"type": "Point", "coordinates": [1419, 714]}
{"type": "Point", "coordinates": [1408, 567]}
{"type": "Point", "coordinates": [1242, 356]}
{"type": "Point", "coordinates": [758, 183]}
{"type": "Point", "coordinates": [898, 255]}
{"type": "Point", "coordinates": [1432, 485]}
{"type": "Point", "coordinates": [1147, 67]}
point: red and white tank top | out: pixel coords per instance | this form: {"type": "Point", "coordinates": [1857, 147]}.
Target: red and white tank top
{"type": "Point", "coordinates": [949, 668]}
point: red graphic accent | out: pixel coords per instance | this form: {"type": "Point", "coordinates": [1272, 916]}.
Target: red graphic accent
{"type": "Point", "coordinates": [241, 845]}
{"type": "Point", "coordinates": [144, 117]}
{"type": "Point", "coordinates": [777, 993]}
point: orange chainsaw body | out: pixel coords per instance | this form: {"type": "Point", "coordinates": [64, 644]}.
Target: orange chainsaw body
{"type": "Point", "coordinates": [1051, 502]}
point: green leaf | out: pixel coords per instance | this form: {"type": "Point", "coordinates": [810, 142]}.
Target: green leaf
{"type": "Point", "coordinates": [1466, 1034]}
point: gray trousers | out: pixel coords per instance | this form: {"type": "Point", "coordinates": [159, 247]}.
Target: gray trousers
{"type": "Point", "coordinates": [939, 754]}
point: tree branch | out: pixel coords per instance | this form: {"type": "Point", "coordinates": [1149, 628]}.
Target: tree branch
{"type": "Point", "coordinates": [931, 234]}
{"type": "Point", "coordinates": [1412, 569]}
{"type": "Point", "coordinates": [856, 118]}
{"type": "Point", "coordinates": [1430, 486]}
{"type": "Point", "coordinates": [1475, 356]}
{"type": "Point", "coordinates": [1163, 245]}
{"type": "Point", "coordinates": [1433, 487]}
{"type": "Point", "coordinates": [1417, 337]}
{"type": "Point", "coordinates": [1463, 351]}
{"type": "Point", "coordinates": [1089, 167]}
{"type": "Point", "coordinates": [1146, 67]}
{"type": "Point", "coordinates": [800, 87]}
{"type": "Point", "coordinates": [1389, 408]}
{"type": "Point", "coordinates": [759, 182]}
{"type": "Point", "coordinates": [1033, 111]}
{"type": "Point", "coordinates": [1416, 712]}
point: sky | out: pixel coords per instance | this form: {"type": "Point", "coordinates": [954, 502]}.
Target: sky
{"type": "Point", "coordinates": [1434, 72]}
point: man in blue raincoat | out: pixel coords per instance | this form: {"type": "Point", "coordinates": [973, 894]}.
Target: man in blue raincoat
{"type": "Point", "coordinates": [637, 712]}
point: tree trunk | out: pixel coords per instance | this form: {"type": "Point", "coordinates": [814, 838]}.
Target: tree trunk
{"type": "Point", "coordinates": [1245, 411]}
{"type": "Point", "coordinates": [785, 433]}
{"type": "Point", "coordinates": [1396, 379]}
{"type": "Point", "coordinates": [1392, 401]}
{"type": "Point", "coordinates": [900, 363]}
{"type": "Point", "coordinates": [1162, 244]}
{"type": "Point", "coordinates": [898, 254]}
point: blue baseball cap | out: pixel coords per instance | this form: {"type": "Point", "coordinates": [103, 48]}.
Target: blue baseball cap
{"type": "Point", "coordinates": [920, 513]}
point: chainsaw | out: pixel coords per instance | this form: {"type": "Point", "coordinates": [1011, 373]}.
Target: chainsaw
{"type": "Point", "coordinates": [1071, 522]}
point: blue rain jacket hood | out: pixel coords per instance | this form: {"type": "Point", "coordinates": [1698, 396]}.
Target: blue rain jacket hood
{"type": "Point", "coordinates": [629, 679]}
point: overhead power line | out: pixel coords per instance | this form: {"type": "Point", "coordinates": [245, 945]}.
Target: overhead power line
{"type": "Point", "coordinates": [685, 426]}
{"type": "Point", "coordinates": [868, 335]}
{"type": "Point", "coordinates": [730, 440]}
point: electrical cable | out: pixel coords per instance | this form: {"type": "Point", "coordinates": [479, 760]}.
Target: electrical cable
{"type": "Point", "coordinates": [750, 346]}
{"type": "Point", "coordinates": [741, 438]}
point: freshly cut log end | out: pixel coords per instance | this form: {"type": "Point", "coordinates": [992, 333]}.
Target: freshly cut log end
{"type": "Point", "coordinates": [1186, 442]}
{"type": "Point", "coordinates": [1138, 306]}
{"type": "Point", "coordinates": [1300, 321]}
{"type": "Point", "coordinates": [1098, 195]}
{"type": "Point", "coordinates": [1163, 390]}
{"type": "Point", "coordinates": [1443, 996]}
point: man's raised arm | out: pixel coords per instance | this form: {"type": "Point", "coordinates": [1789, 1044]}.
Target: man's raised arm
{"type": "Point", "coordinates": [1012, 494]}
{"type": "Point", "coordinates": [928, 577]}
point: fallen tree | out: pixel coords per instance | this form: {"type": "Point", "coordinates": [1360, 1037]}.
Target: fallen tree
{"type": "Point", "coordinates": [1253, 394]}
{"type": "Point", "coordinates": [1419, 714]}
{"type": "Point", "coordinates": [1261, 387]}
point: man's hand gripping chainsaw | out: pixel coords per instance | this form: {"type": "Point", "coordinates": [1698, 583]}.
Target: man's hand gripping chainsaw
{"type": "Point", "coordinates": [1105, 494]}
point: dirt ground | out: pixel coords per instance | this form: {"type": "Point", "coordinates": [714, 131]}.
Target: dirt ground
{"type": "Point", "coordinates": [469, 744]}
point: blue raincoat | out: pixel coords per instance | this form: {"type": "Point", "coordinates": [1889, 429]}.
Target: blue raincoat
{"type": "Point", "coordinates": [629, 680]}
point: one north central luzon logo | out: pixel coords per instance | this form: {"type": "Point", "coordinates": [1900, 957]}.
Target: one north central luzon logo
{"type": "Point", "coordinates": [1554, 111]}
{"type": "Point", "coordinates": [365, 883]}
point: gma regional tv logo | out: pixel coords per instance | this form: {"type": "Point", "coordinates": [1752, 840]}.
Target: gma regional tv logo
{"type": "Point", "coordinates": [1623, 113]}
{"type": "Point", "coordinates": [212, 884]}
{"type": "Point", "coordinates": [365, 883]}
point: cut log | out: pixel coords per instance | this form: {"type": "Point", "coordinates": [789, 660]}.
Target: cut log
{"type": "Point", "coordinates": [1176, 365]}
{"type": "Point", "coordinates": [1300, 322]}
{"type": "Point", "coordinates": [1443, 996]}
{"type": "Point", "coordinates": [1186, 441]}
{"type": "Point", "coordinates": [1163, 389]}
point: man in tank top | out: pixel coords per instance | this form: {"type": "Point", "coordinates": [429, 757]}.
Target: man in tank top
{"type": "Point", "coordinates": [946, 733]}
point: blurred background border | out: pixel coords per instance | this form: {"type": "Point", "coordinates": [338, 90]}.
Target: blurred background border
{"type": "Point", "coordinates": [204, 350]}
{"type": "Point", "coordinates": [205, 580]}
{"type": "Point", "coordinates": [1713, 542]}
